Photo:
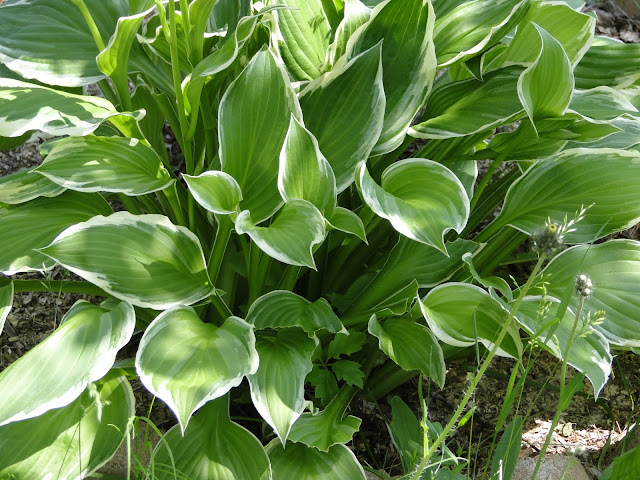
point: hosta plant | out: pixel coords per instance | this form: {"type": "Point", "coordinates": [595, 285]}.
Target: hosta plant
{"type": "Point", "coordinates": [321, 233]}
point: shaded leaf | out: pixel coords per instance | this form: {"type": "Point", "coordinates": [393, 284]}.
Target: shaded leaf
{"type": "Point", "coordinates": [26, 185]}
{"type": "Point", "coordinates": [6, 301]}
{"type": "Point", "coordinates": [349, 371]}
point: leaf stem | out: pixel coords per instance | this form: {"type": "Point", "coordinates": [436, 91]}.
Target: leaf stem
{"type": "Point", "coordinates": [483, 368]}
{"type": "Point", "coordinates": [485, 180]}
{"type": "Point", "coordinates": [225, 226]}
{"type": "Point", "coordinates": [93, 28]}
{"type": "Point", "coordinates": [58, 286]}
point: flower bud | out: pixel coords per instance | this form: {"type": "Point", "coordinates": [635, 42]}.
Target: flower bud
{"type": "Point", "coordinates": [549, 239]}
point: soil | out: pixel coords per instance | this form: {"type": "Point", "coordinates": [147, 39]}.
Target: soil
{"type": "Point", "coordinates": [592, 430]}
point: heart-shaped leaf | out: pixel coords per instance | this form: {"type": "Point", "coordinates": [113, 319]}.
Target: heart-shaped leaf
{"type": "Point", "coordinates": [144, 259]}
{"type": "Point", "coordinates": [410, 345]}
{"type": "Point", "coordinates": [291, 237]}
{"type": "Point", "coordinates": [187, 362]}
{"type": "Point", "coordinates": [26, 185]}
{"type": "Point", "coordinates": [212, 447]}
{"type": "Point", "coordinates": [408, 62]}
{"type": "Point", "coordinates": [545, 88]}
{"type": "Point", "coordinates": [422, 199]}
{"type": "Point", "coordinates": [218, 192]}
{"type": "Point", "coordinates": [249, 144]}
{"type": "Point", "coordinates": [109, 164]}
{"type": "Point", "coordinates": [52, 216]}
{"type": "Point", "coordinates": [304, 172]}
{"type": "Point", "coordinates": [604, 180]}
{"type": "Point", "coordinates": [80, 351]}
{"type": "Point", "coordinates": [462, 314]}
{"type": "Point", "coordinates": [27, 106]}
{"type": "Point", "coordinates": [589, 351]}
{"type": "Point", "coordinates": [70, 60]}
{"type": "Point", "coordinates": [72, 441]}
{"type": "Point", "coordinates": [614, 269]}
{"type": "Point", "coordinates": [307, 463]}
{"type": "Point", "coordinates": [282, 309]}
{"type": "Point", "coordinates": [346, 130]}
{"type": "Point", "coordinates": [347, 221]}
{"type": "Point", "coordinates": [277, 387]}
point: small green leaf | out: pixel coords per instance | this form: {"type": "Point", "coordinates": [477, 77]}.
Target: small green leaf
{"type": "Point", "coordinates": [411, 345]}
{"type": "Point", "coordinates": [187, 362]}
{"type": "Point", "coordinates": [408, 63]}
{"type": "Point", "coordinates": [69, 442]}
{"type": "Point", "coordinates": [25, 185]}
{"type": "Point", "coordinates": [347, 221]}
{"type": "Point", "coordinates": [327, 428]}
{"type": "Point", "coordinates": [249, 147]}
{"type": "Point", "coordinates": [291, 237]}
{"type": "Point", "coordinates": [346, 130]}
{"type": "Point", "coordinates": [144, 259]}
{"type": "Point", "coordinates": [545, 88]}
{"type": "Point", "coordinates": [349, 371]}
{"type": "Point", "coordinates": [213, 447]}
{"type": "Point", "coordinates": [307, 463]}
{"type": "Point", "coordinates": [27, 106]}
{"type": "Point", "coordinates": [346, 344]}
{"type": "Point", "coordinates": [406, 433]}
{"type": "Point", "coordinates": [505, 458]}
{"type": "Point", "coordinates": [283, 309]}
{"type": "Point", "coordinates": [304, 172]}
{"type": "Point", "coordinates": [277, 387]}
{"type": "Point", "coordinates": [302, 34]}
{"type": "Point", "coordinates": [70, 60]}
{"type": "Point", "coordinates": [462, 314]}
{"type": "Point", "coordinates": [324, 383]}
{"type": "Point", "coordinates": [20, 239]}
{"type": "Point", "coordinates": [80, 351]}
{"type": "Point", "coordinates": [110, 164]}
{"type": "Point", "coordinates": [216, 191]}
{"type": "Point", "coordinates": [422, 199]}
{"type": "Point", "coordinates": [604, 180]}
{"type": "Point", "coordinates": [6, 301]}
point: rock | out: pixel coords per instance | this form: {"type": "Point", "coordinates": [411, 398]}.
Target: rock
{"type": "Point", "coordinates": [554, 467]}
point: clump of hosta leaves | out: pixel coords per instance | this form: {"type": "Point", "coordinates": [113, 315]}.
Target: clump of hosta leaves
{"type": "Point", "coordinates": [294, 242]}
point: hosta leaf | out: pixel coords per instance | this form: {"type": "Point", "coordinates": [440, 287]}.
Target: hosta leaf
{"type": "Point", "coordinates": [422, 199]}
{"type": "Point", "coordinates": [6, 300]}
{"type": "Point", "coordinates": [355, 14]}
{"type": "Point", "coordinates": [27, 106]}
{"type": "Point", "coordinates": [605, 180]}
{"type": "Point", "coordinates": [225, 15]}
{"type": "Point", "coordinates": [303, 37]}
{"type": "Point", "coordinates": [70, 442]}
{"type": "Point", "coordinates": [601, 103]}
{"type": "Point", "coordinates": [213, 447]}
{"type": "Point", "coordinates": [609, 63]}
{"type": "Point", "coordinates": [110, 164]}
{"type": "Point", "coordinates": [52, 216]}
{"type": "Point", "coordinates": [254, 117]}
{"type": "Point", "coordinates": [277, 387]}
{"type": "Point", "coordinates": [218, 192]}
{"type": "Point", "coordinates": [456, 38]}
{"type": "Point", "coordinates": [26, 185]}
{"type": "Point", "coordinates": [344, 109]}
{"type": "Point", "coordinates": [304, 172]}
{"type": "Point", "coordinates": [187, 362]}
{"type": "Point", "coordinates": [462, 108]}
{"type": "Point", "coordinates": [462, 314]}
{"type": "Point", "coordinates": [217, 61]}
{"type": "Point", "coordinates": [307, 463]}
{"type": "Point", "coordinates": [408, 62]}
{"type": "Point", "coordinates": [614, 268]}
{"type": "Point", "coordinates": [9, 143]}
{"type": "Point", "coordinates": [57, 371]}
{"type": "Point", "coordinates": [291, 237]}
{"type": "Point", "coordinates": [574, 31]}
{"type": "Point", "coordinates": [410, 345]}
{"type": "Point", "coordinates": [158, 44]}
{"type": "Point", "coordinates": [143, 259]}
{"type": "Point", "coordinates": [282, 309]}
{"type": "Point", "coordinates": [589, 351]}
{"type": "Point", "coordinates": [545, 88]}
{"type": "Point", "coordinates": [628, 135]}
{"type": "Point", "coordinates": [70, 60]}
{"type": "Point", "coordinates": [347, 221]}
{"type": "Point", "coordinates": [327, 428]}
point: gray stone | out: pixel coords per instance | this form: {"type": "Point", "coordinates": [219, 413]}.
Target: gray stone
{"type": "Point", "coordinates": [554, 467]}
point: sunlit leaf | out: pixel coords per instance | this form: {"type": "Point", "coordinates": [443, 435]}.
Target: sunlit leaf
{"type": "Point", "coordinates": [216, 191]}
{"type": "Point", "coordinates": [187, 362]}
{"type": "Point", "coordinates": [609, 62]}
{"type": "Point", "coordinates": [355, 14]}
{"type": "Point", "coordinates": [26, 185]}
{"type": "Point", "coordinates": [6, 300]}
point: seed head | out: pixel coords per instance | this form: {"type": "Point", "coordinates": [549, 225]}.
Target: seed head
{"type": "Point", "coordinates": [584, 285]}
{"type": "Point", "coordinates": [548, 239]}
